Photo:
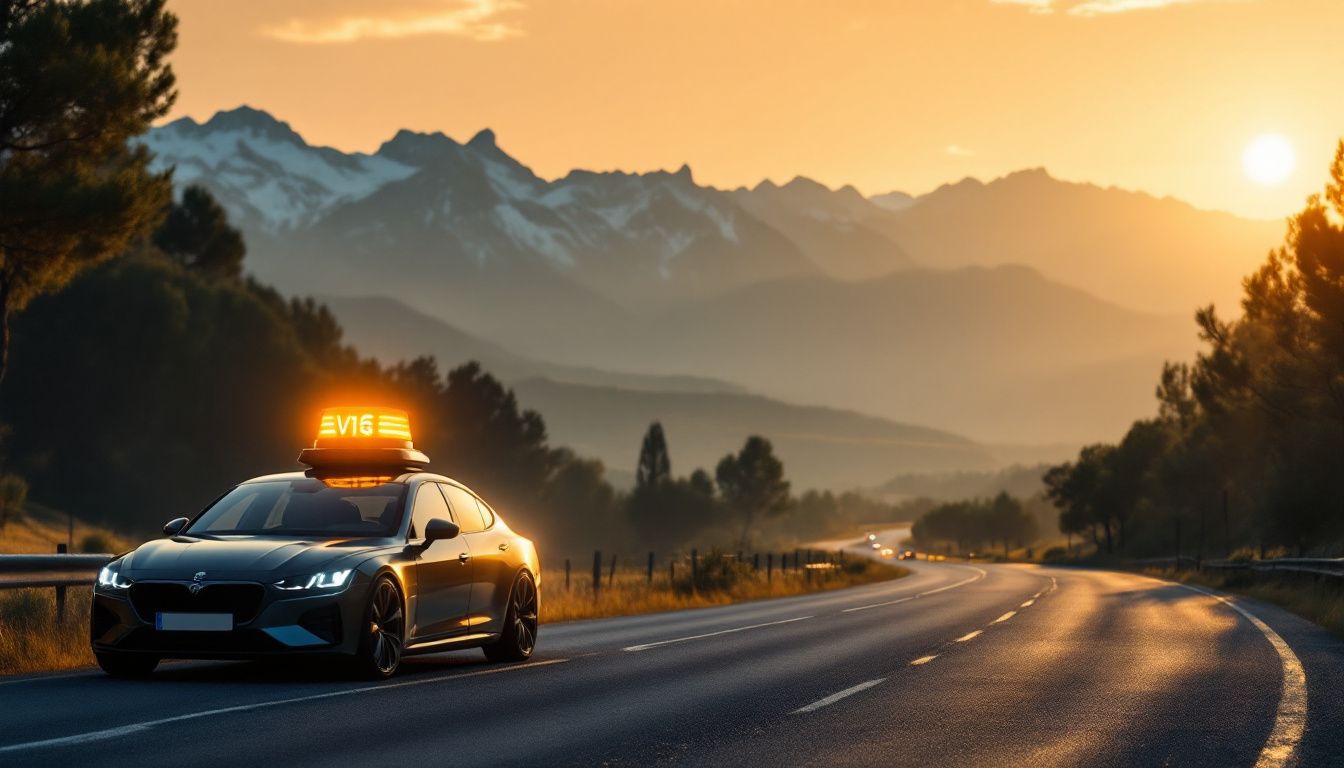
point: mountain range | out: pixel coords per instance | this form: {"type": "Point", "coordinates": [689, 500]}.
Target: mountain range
{"type": "Point", "coordinates": [1024, 310]}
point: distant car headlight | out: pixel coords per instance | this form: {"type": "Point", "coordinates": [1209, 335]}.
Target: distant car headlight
{"type": "Point", "coordinates": [110, 578]}
{"type": "Point", "coordinates": [326, 580]}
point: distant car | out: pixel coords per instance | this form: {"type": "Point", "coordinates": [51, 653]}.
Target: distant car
{"type": "Point", "coordinates": [872, 537]}
{"type": "Point", "coordinates": [887, 552]}
{"type": "Point", "coordinates": [876, 545]}
{"type": "Point", "coordinates": [908, 554]}
{"type": "Point", "coordinates": [365, 558]}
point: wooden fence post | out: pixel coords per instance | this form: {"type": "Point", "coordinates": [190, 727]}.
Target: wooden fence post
{"type": "Point", "coordinates": [695, 567]}
{"type": "Point", "coordinates": [597, 571]}
{"type": "Point", "coordinates": [769, 566]}
{"type": "Point", "coordinates": [611, 578]}
{"type": "Point", "coordinates": [566, 574]}
{"type": "Point", "coordinates": [61, 549]}
{"type": "Point", "coordinates": [650, 569]}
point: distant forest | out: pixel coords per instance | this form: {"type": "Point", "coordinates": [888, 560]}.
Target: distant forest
{"type": "Point", "coordinates": [1246, 454]}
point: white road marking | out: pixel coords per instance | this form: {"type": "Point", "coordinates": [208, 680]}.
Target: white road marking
{"type": "Point", "coordinates": [1004, 617]}
{"type": "Point", "coordinates": [969, 636]}
{"type": "Point", "coordinates": [126, 730]}
{"type": "Point", "coordinates": [878, 605]}
{"type": "Point", "coordinates": [660, 643]}
{"type": "Point", "coordinates": [1028, 604]}
{"type": "Point", "coordinates": [980, 574]}
{"type": "Point", "coordinates": [923, 660]}
{"type": "Point", "coordinates": [1291, 719]}
{"type": "Point", "coordinates": [834, 697]}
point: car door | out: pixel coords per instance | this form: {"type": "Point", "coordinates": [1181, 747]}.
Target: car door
{"type": "Point", "coordinates": [492, 577]}
{"type": "Point", "coordinates": [443, 569]}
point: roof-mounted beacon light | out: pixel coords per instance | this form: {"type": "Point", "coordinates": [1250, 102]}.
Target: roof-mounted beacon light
{"type": "Point", "coordinates": [363, 436]}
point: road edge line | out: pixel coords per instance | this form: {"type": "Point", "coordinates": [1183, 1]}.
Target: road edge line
{"type": "Point", "coordinates": [1290, 720]}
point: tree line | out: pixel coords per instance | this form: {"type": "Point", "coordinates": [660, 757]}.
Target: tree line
{"type": "Point", "coordinates": [1247, 447]}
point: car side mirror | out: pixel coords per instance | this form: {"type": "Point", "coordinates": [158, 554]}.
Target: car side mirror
{"type": "Point", "coordinates": [440, 529]}
{"type": "Point", "coordinates": [175, 526]}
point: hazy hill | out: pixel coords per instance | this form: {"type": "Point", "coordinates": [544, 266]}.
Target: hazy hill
{"type": "Point", "coordinates": [1148, 253]}
{"type": "Point", "coordinates": [820, 447]}
{"type": "Point", "coordinates": [828, 225]}
{"type": "Point", "coordinates": [1000, 354]}
{"type": "Point", "coordinates": [391, 331]}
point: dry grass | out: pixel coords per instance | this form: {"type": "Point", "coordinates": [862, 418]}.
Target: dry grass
{"type": "Point", "coordinates": [39, 530]}
{"type": "Point", "coordinates": [632, 594]}
{"type": "Point", "coordinates": [30, 638]}
{"type": "Point", "coordinates": [1319, 601]}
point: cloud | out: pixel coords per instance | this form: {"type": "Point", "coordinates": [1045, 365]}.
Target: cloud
{"type": "Point", "coordinates": [958, 151]}
{"type": "Point", "coordinates": [1104, 7]}
{"type": "Point", "coordinates": [1035, 6]}
{"type": "Point", "coordinates": [1096, 7]}
{"type": "Point", "coordinates": [480, 20]}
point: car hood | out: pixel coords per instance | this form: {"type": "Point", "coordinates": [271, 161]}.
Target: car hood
{"type": "Point", "coordinates": [246, 557]}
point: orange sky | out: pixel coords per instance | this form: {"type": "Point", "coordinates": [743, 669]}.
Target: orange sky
{"type": "Point", "coordinates": [882, 94]}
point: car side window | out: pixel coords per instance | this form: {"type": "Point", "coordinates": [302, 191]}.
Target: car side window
{"type": "Point", "coordinates": [487, 513]}
{"type": "Point", "coordinates": [464, 507]}
{"type": "Point", "coordinates": [429, 504]}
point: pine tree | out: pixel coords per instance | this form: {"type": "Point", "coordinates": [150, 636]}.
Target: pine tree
{"type": "Point", "coordinates": [77, 80]}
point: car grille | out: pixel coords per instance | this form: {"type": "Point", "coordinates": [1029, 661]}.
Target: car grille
{"type": "Point", "coordinates": [242, 600]}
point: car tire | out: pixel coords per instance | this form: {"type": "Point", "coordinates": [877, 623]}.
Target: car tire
{"type": "Point", "coordinates": [126, 664]}
{"type": "Point", "coordinates": [383, 633]}
{"type": "Point", "coordinates": [519, 637]}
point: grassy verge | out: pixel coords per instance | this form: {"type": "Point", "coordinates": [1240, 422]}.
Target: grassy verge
{"type": "Point", "coordinates": [30, 638]}
{"type": "Point", "coordinates": [39, 530]}
{"type": "Point", "coordinates": [630, 593]}
{"type": "Point", "coordinates": [1318, 601]}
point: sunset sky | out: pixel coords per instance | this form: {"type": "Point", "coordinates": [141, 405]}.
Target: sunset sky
{"type": "Point", "coordinates": [1158, 95]}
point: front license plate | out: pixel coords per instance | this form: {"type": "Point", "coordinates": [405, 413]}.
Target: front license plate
{"type": "Point", "coordinates": [194, 622]}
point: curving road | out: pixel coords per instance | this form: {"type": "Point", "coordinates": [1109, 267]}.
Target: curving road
{"type": "Point", "coordinates": [954, 665]}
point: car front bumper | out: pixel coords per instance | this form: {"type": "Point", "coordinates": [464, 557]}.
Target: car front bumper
{"type": "Point", "coordinates": [266, 622]}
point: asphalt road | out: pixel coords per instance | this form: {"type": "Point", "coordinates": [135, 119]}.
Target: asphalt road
{"type": "Point", "coordinates": [954, 665]}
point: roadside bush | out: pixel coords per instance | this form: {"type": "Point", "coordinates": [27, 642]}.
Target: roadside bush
{"type": "Point", "coordinates": [97, 543]}
{"type": "Point", "coordinates": [715, 572]}
{"type": "Point", "coordinates": [1054, 555]}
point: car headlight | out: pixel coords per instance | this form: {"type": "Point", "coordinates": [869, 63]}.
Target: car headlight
{"type": "Point", "coordinates": [110, 578]}
{"type": "Point", "coordinates": [327, 580]}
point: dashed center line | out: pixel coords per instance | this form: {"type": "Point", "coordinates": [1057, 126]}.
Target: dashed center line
{"type": "Point", "coordinates": [969, 636]}
{"type": "Point", "coordinates": [1004, 617]}
{"type": "Point", "coordinates": [660, 643]}
{"type": "Point", "coordinates": [1028, 604]}
{"type": "Point", "coordinates": [923, 660]}
{"type": "Point", "coordinates": [834, 697]}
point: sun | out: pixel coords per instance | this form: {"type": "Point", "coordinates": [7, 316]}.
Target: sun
{"type": "Point", "coordinates": [1269, 159]}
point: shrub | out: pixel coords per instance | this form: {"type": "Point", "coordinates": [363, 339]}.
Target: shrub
{"type": "Point", "coordinates": [97, 543]}
{"type": "Point", "coordinates": [1054, 555]}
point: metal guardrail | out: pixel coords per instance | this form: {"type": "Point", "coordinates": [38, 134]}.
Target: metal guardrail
{"type": "Point", "coordinates": [1316, 566]}
{"type": "Point", "coordinates": [59, 571]}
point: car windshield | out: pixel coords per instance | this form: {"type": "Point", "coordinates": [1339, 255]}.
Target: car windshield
{"type": "Point", "coordinates": [306, 507]}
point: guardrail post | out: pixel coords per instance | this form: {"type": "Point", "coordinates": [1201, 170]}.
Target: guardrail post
{"type": "Point", "coordinates": [650, 580]}
{"type": "Point", "coordinates": [61, 549]}
{"type": "Point", "coordinates": [597, 571]}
